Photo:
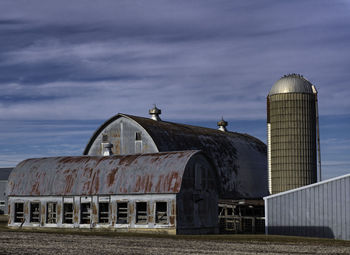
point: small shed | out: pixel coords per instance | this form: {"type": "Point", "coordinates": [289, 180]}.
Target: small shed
{"type": "Point", "coordinates": [173, 192]}
{"type": "Point", "coordinates": [317, 210]}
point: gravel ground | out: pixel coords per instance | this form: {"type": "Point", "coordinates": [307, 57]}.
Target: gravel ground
{"type": "Point", "coordinates": [56, 243]}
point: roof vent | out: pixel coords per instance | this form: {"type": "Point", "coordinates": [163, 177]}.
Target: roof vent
{"type": "Point", "coordinates": [155, 112]}
{"type": "Point", "coordinates": [107, 149]}
{"type": "Point", "coordinates": [222, 124]}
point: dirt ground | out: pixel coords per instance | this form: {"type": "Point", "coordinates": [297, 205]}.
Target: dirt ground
{"type": "Point", "coordinates": [28, 242]}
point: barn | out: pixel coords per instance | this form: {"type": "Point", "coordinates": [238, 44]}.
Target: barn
{"type": "Point", "coordinates": [172, 192]}
{"type": "Point", "coordinates": [145, 174]}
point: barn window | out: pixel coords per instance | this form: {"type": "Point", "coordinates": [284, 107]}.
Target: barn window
{"type": "Point", "coordinates": [35, 212]}
{"type": "Point", "coordinates": [85, 213]}
{"type": "Point", "coordinates": [141, 212]}
{"type": "Point", "coordinates": [161, 212]}
{"type": "Point", "coordinates": [105, 138]}
{"type": "Point", "coordinates": [122, 213]}
{"type": "Point", "coordinates": [68, 213]}
{"type": "Point", "coordinates": [103, 216]}
{"type": "Point", "coordinates": [138, 136]}
{"type": "Point", "coordinates": [51, 213]}
{"type": "Point", "coordinates": [19, 212]}
{"type": "Point", "coordinates": [138, 142]}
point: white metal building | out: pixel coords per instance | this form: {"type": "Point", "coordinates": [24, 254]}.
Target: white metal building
{"type": "Point", "coordinates": [317, 210]}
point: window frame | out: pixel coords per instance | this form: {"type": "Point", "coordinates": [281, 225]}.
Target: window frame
{"type": "Point", "coordinates": [31, 216]}
{"type": "Point", "coordinates": [87, 212]}
{"type": "Point", "coordinates": [118, 221]}
{"type": "Point", "coordinates": [15, 212]}
{"type": "Point", "coordinates": [156, 220]}
{"type": "Point", "coordinates": [55, 212]}
{"type": "Point", "coordinates": [99, 213]}
{"type": "Point", "coordinates": [64, 218]}
{"type": "Point", "coordinates": [139, 221]}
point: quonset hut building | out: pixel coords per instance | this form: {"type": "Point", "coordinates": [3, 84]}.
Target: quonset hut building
{"type": "Point", "coordinates": [140, 174]}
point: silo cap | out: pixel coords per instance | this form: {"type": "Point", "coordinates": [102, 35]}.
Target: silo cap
{"type": "Point", "coordinates": [291, 83]}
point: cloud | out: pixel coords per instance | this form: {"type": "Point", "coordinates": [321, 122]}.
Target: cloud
{"type": "Point", "coordinates": [197, 60]}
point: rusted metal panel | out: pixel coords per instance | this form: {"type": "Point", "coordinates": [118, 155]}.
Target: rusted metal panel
{"type": "Point", "coordinates": [87, 175]}
{"type": "Point", "coordinates": [241, 159]}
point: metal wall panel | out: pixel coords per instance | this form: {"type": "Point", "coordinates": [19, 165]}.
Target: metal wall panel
{"type": "Point", "coordinates": [316, 210]}
{"type": "Point", "coordinates": [3, 197]}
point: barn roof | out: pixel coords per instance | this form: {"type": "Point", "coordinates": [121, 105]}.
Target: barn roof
{"type": "Point", "coordinates": [97, 175]}
{"type": "Point", "coordinates": [240, 158]}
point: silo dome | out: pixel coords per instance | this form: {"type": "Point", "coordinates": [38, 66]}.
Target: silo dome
{"type": "Point", "coordinates": [291, 83]}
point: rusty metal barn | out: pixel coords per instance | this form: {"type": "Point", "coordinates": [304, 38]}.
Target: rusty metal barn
{"type": "Point", "coordinates": [140, 174]}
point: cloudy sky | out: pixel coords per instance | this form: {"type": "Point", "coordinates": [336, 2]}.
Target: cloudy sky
{"type": "Point", "coordinates": [66, 66]}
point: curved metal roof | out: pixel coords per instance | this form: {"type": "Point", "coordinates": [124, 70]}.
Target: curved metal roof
{"type": "Point", "coordinates": [292, 83]}
{"type": "Point", "coordinates": [96, 175]}
{"type": "Point", "coordinates": [240, 158]}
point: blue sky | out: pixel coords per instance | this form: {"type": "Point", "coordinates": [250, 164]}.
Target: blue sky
{"type": "Point", "coordinates": [67, 66]}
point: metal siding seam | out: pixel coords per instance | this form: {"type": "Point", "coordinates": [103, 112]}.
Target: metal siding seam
{"type": "Point", "coordinates": [312, 210]}
{"type": "Point", "coordinates": [338, 201]}
{"type": "Point", "coordinates": [281, 214]}
{"type": "Point", "coordinates": [325, 208]}
{"type": "Point", "coordinates": [334, 206]}
{"type": "Point", "coordinates": [318, 211]}
{"type": "Point", "coordinates": [294, 202]}
{"type": "Point", "coordinates": [342, 206]}
{"type": "Point", "coordinates": [304, 212]}
{"type": "Point", "coordinates": [339, 214]}
{"type": "Point", "coordinates": [347, 208]}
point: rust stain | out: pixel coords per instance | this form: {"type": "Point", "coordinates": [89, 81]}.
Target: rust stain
{"type": "Point", "coordinates": [35, 189]}
{"type": "Point", "coordinates": [158, 185]}
{"type": "Point", "coordinates": [87, 172]}
{"type": "Point", "coordinates": [172, 220]}
{"type": "Point", "coordinates": [69, 184]}
{"type": "Point", "coordinates": [173, 207]}
{"type": "Point", "coordinates": [26, 209]}
{"type": "Point", "coordinates": [137, 184]}
{"type": "Point", "coordinates": [95, 183]}
{"type": "Point", "coordinates": [76, 214]}
{"type": "Point", "coordinates": [117, 147]}
{"type": "Point", "coordinates": [42, 220]}
{"type": "Point", "coordinates": [128, 160]}
{"type": "Point", "coordinates": [58, 212]}
{"type": "Point", "coordinates": [111, 176]}
{"type": "Point", "coordinates": [131, 208]}
{"type": "Point", "coordinates": [149, 184]}
{"type": "Point", "coordinates": [94, 209]}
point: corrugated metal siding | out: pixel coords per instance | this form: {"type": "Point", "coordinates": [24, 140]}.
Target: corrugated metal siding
{"type": "Point", "coordinates": [318, 210]}
{"type": "Point", "coordinates": [87, 175]}
{"type": "Point", "coordinates": [3, 196]}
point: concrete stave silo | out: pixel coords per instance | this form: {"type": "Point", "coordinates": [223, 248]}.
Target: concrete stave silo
{"type": "Point", "coordinates": [291, 126]}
